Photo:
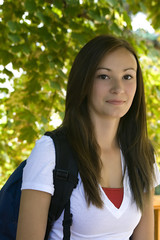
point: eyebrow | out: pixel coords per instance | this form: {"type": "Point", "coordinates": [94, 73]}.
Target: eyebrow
{"type": "Point", "coordinates": [108, 69]}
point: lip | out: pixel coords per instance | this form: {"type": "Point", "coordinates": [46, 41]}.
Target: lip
{"type": "Point", "coordinates": [116, 102]}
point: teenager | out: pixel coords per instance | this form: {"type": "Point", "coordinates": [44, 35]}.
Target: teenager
{"type": "Point", "coordinates": [105, 121]}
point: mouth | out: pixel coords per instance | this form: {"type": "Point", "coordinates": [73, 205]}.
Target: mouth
{"type": "Point", "coordinates": [116, 102]}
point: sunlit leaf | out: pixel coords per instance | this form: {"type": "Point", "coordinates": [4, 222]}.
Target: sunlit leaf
{"type": "Point", "coordinates": [27, 133]}
{"type": "Point", "coordinates": [112, 3]}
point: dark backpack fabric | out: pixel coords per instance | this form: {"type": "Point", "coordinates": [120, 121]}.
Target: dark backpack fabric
{"type": "Point", "coordinates": [65, 180]}
{"type": "Point", "coordinates": [9, 204]}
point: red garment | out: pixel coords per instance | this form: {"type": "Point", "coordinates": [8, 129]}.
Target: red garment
{"type": "Point", "coordinates": [115, 195]}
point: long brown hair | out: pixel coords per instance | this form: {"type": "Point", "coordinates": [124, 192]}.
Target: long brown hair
{"type": "Point", "coordinates": [132, 131]}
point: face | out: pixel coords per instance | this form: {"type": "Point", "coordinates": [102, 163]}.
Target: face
{"type": "Point", "coordinates": [114, 85]}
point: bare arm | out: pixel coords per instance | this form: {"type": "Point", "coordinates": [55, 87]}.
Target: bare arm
{"type": "Point", "coordinates": [33, 215]}
{"type": "Point", "coordinates": [145, 228]}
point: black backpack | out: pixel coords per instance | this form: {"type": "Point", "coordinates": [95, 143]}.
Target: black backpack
{"type": "Point", "coordinates": [65, 177]}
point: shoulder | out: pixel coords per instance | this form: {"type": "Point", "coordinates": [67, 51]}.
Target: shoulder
{"type": "Point", "coordinates": [44, 141]}
{"type": "Point", "coordinates": [44, 150]}
{"type": "Point", "coordinates": [38, 172]}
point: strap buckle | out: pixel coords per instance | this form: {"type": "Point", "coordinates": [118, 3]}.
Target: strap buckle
{"type": "Point", "coordinates": [61, 174]}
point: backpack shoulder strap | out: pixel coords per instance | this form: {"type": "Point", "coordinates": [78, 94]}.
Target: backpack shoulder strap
{"type": "Point", "coordinates": [65, 180]}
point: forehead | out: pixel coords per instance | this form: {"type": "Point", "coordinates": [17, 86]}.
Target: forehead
{"type": "Point", "coordinates": [117, 59]}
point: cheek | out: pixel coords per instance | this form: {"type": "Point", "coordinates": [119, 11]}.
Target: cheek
{"type": "Point", "coordinates": [96, 91]}
{"type": "Point", "coordinates": [99, 89]}
{"type": "Point", "coordinates": [132, 90]}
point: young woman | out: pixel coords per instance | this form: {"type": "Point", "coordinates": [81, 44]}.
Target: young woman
{"type": "Point", "coordinates": [105, 119]}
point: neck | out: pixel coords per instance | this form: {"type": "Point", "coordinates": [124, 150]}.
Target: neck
{"type": "Point", "coordinates": [106, 134]}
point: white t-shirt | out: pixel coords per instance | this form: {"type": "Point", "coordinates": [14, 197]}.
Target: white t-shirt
{"type": "Point", "coordinates": [89, 223]}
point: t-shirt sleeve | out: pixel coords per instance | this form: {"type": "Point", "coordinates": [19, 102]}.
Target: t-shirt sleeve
{"type": "Point", "coordinates": [38, 172]}
{"type": "Point", "coordinates": [157, 175]}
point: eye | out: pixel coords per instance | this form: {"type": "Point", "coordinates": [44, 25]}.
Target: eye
{"type": "Point", "coordinates": [127, 77]}
{"type": "Point", "coordinates": [103, 76]}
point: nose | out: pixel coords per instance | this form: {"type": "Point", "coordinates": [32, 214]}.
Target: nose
{"type": "Point", "coordinates": [117, 86]}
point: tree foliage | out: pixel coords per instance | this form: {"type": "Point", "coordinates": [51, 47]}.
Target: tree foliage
{"type": "Point", "coordinates": [40, 39]}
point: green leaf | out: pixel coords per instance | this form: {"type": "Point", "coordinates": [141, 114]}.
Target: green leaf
{"type": "Point", "coordinates": [143, 6]}
{"type": "Point", "coordinates": [32, 64]}
{"type": "Point", "coordinates": [57, 12]}
{"type": "Point", "coordinates": [14, 26]}
{"type": "Point", "coordinates": [8, 73]}
{"type": "Point", "coordinates": [52, 65]}
{"type": "Point", "coordinates": [61, 73]}
{"type": "Point", "coordinates": [58, 4]}
{"type": "Point", "coordinates": [33, 85]}
{"type": "Point", "coordinates": [43, 58]}
{"type": "Point", "coordinates": [42, 17]}
{"type": "Point", "coordinates": [112, 3]}
{"type": "Point", "coordinates": [27, 133]}
{"type": "Point", "coordinates": [79, 37]}
{"type": "Point", "coordinates": [50, 58]}
{"type": "Point", "coordinates": [5, 57]}
{"type": "Point", "coordinates": [44, 120]}
{"type": "Point", "coordinates": [27, 115]}
{"type": "Point", "coordinates": [30, 6]}
{"type": "Point", "coordinates": [44, 34]}
{"type": "Point", "coordinates": [55, 85]}
{"type": "Point", "coordinates": [2, 80]}
{"type": "Point", "coordinates": [25, 48]}
{"type": "Point", "coordinates": [51, 44]}
{"type": "Point", "coordinates": [14, 38]}
{"type": "Point", "coordinates": [114, 27]}
{"type": "Point", "coordinates": [16, 48]}
{"type": "Point", "coordinates": [127, 18]}
{"type": "Point", "coordinates": [4, 90]}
